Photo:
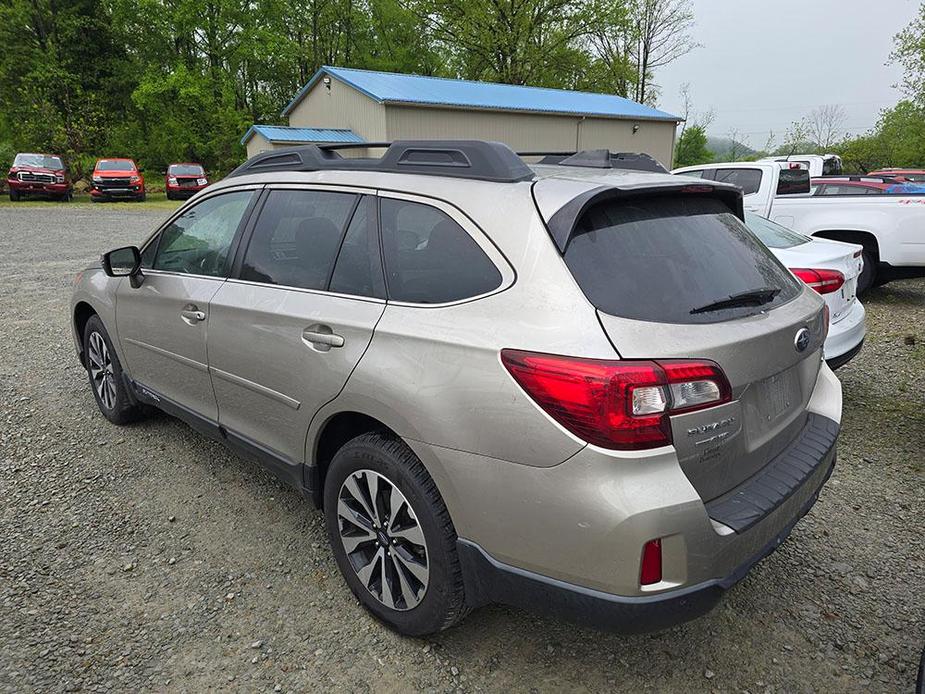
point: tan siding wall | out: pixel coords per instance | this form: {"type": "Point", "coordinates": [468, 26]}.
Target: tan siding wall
{"type": "Point", "coordinates": [341, 107]}
{"type": "Point", "coordinates": [655, 138]}
{"type": "Point", "coordinates": [528, 131]}
{"type": "Point", "coordinates": [257, 144]}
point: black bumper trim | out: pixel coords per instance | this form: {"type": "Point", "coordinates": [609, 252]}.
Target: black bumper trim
{"type": "Point", "coordinates": [489, 581]}
{"type": "Point", "coordinates": [766, 490]}
{"type": "Point", "coordinates": [842, 359]}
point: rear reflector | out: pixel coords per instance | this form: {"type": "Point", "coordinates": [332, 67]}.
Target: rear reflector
{"type": "Point", "coordinates": [623, 405]}
{"type": "Point", "coordinates": [823, 281]}
{"type": "Point", "coordinates": [651, 568]}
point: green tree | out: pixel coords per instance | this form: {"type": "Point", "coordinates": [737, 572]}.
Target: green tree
{"type": "Point", "coordinates": [692, 147]}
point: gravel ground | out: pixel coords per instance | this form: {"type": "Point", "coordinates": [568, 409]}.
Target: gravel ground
{"type": "Point", "coordinates": [148, 557]}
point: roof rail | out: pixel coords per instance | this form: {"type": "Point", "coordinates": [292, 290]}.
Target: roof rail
{"type": "Point", "coordinates": [471, 159]}
{"type": "Point", "coordinates": [600, 159]}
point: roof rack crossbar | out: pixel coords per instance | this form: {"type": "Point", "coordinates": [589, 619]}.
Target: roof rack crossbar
{"type": "Point", "coordinates": [470, 159]}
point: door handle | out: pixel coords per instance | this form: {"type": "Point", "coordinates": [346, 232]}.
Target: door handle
{"type": "Point", "coordinates": [321, 338]}
{"type": "Point", "coordinates": [192, 315]}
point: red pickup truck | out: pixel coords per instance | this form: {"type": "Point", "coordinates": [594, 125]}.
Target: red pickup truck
{"type": "Point", "coordinates": [117, 179]}
{"type": "Point", "coordinates": [38, 174]}
{"type": "Point", "coordinates": [184, 180]}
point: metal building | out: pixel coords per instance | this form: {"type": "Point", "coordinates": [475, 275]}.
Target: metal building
{"type": "Point", "coordinates": [349, 105]}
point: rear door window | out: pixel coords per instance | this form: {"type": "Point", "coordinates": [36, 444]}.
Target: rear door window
{"type": "Point", "coordinates": [429, 258]}
{"type": "Point", "coordinates": [358, 269]}
{"type": "Point", "coordinates": [749, 180]}
{"type": "Point", "coordinates": [296, 238]}
{"type": "Point", "coordinates": [658, 258]}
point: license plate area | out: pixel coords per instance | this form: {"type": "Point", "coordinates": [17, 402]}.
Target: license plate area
{"type": "Point", "coordinates": [776, 395]}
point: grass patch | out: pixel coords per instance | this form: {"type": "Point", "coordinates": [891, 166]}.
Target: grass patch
{"type": "Point", "coordinates": [154, 201]}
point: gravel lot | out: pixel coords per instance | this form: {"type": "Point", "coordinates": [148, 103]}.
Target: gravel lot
{"type": "Point", "coordinates": [148, 557]}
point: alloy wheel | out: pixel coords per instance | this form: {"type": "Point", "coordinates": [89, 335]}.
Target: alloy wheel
{"type": "Point", "coordinates": [101, 370]}
{"type": "Point", "coordinates": [385, 545]}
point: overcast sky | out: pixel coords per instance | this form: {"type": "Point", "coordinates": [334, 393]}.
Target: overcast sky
{"type": "Point", "coordinates": [761, 65]}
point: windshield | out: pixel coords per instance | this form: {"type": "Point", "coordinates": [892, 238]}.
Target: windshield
{"type": "Point", "coordinates": [115, 165]}
{"type": "Point", "coordinates": [185, 170]}
{"type": "Point", "coordinates": [658, 258]}
{"type": "Point", "coordinates": [773, 235]}
{"type": "Point", "coordinates": [43, 161]}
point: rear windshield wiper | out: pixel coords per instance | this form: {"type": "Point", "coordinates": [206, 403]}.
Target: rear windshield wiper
{"type": "Point", "coordinates": [752, 297]}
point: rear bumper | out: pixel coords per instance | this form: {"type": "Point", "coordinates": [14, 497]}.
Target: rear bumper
{"type": "Point", "coordinates": [489, 581]}
{"type": "Point", "coordinates": [763, 508]}
{"type": "Point", "coordinates": [846, 336]}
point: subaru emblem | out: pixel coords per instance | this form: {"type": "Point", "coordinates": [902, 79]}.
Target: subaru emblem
{"type": "Point", "coordinates": [801, 340]}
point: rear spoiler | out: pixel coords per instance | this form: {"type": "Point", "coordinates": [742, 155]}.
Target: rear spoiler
{"type": "Point", "coordinates": [563, 222]}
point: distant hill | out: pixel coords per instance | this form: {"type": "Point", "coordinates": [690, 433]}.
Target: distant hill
{"type": "Point", "coordinates": [722, 146]}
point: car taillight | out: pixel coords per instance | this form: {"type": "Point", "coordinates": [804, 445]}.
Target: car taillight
{"type": "Point", "coordinates": [823, 281]}
{"type": "Point", "coordinates": [622, 405]}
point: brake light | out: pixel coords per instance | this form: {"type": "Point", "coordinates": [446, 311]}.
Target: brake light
{"type": "Point", "coordinates": [823, 281]}
{"type": "Point", "coordinates": [622, 405]}
{"type": "Point", "coordinates": [651, 566]}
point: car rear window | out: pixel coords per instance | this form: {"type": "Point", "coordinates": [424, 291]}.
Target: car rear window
{"type": "Point", "coordinates": [658, 258]}
{"type": "Point", "coordinates": [772, 234]}
{"type": "Point", "coordinates": [749, 180]}
{"type": "Point", "coordinates": [793, 182]}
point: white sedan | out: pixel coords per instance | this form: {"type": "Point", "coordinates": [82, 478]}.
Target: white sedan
{"type": "Point", "coordinates": [832, 269]}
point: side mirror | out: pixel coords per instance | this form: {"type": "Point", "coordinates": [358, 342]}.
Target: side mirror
{"type": "Point", "coordinates": [140, 169]}
{"type": "Point", "coordinates": [123, 262]}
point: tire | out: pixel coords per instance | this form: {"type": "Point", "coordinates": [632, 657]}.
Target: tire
{"type": "Point", "coordinates": [14, 195]}
{"type": "Point", "coordinates": [142, 197]}
{"type": "Point", "coordinates": [95, 198]}
{"type": "Point", "coordinates": [868, 276]}
{"type": "Point", "coordinates": [427, 597]}
{"type": "Point", "coordinates": [105, 373]}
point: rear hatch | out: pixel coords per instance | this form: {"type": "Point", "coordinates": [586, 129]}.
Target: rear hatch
{"type": "Point", "coordinates": [655, 263]}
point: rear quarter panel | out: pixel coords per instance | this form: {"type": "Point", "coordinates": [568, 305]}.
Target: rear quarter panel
{"type": "Point", "coordinates": [434, 374]}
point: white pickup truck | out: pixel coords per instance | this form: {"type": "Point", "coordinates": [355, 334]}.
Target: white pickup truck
{"type": "Point", "coordinates": [891, 228]}
{"type": "Point", "coordinates": [818, 164]}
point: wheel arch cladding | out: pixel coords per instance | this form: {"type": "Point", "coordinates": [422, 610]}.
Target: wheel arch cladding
{"type": "Point", "coordinates": [83, 312]}
{"type": "Point", "coordinates": [334, 433]}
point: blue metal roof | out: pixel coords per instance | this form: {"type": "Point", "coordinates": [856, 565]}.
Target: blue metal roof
{"type": "Point", "coordinates": [388, 87]}
{"type": "Point", "coordinates": [284, 133]}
